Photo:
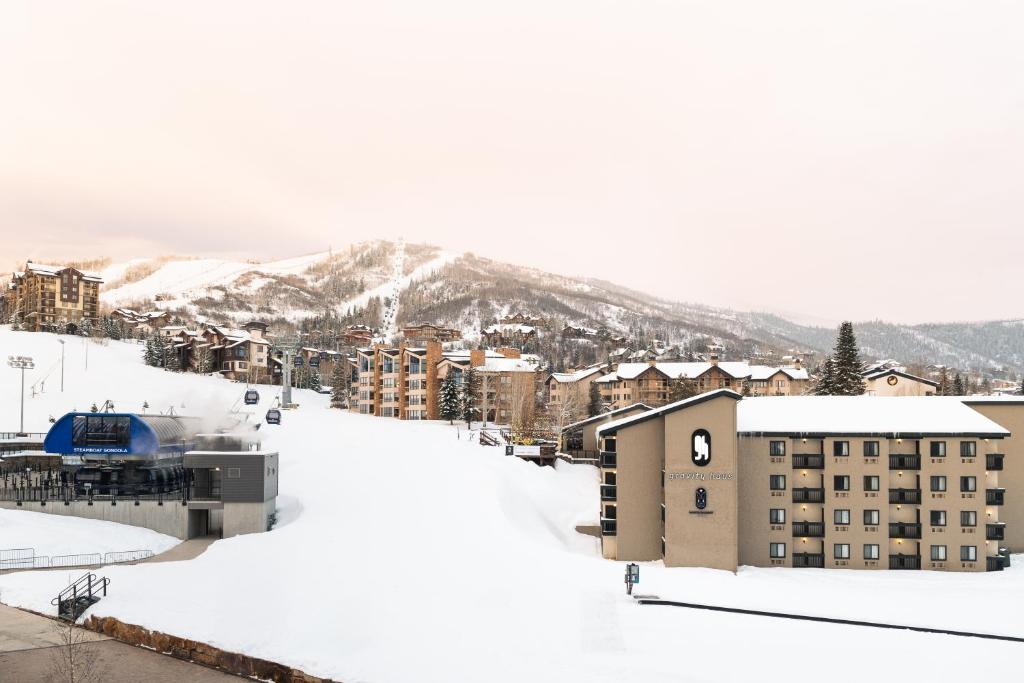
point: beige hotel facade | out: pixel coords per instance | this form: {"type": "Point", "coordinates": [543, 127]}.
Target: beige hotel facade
{"type": "Point", "coordinates": [862, 482]}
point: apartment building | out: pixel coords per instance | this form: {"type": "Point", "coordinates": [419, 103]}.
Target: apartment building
{"type": "Point", "coordinates": [46, 297]}
{"type": "Point", "coordinates": [508, 334]}
{"type": "Point", "coordinates": [651, 382]}
{"type": "Point", "coordinates": [568, 393]}
{"type": "Point", "coordinates": [427, 332]}
{"type": "Point", "coordinates": [236, 354]}
{"type": "Point", "coordinates": [719, 480]}
{"type": "Point", "coordinates": [579, 439]}
{"type": "Point", "coordinates": [895, 381]}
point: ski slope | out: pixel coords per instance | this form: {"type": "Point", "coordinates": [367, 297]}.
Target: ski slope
{"type": "Point", "coordinates": [403, 553]}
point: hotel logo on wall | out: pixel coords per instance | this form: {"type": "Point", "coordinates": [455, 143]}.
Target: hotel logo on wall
{"type": "Point", "coordinates": [701, 455]}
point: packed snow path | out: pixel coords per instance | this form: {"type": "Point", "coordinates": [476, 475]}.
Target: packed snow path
{"type": "Point", "coordinates": [389, 325]}
{"type": "Point", "coordinates": [396, 537]}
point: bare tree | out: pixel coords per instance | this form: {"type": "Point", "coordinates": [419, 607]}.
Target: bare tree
{"type": "Point", "coordinates": [72, 660]}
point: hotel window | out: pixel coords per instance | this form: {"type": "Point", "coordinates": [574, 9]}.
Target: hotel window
{"type": "Point", "coordinates": [968, 449]}
{"type": "Point", "coordinates": [968, 484]}
{"type": "Point", "coordinates": [938, 483]}
{"type": "Point", "coordinates": [938, 518]}
{"type": "Point", "coordinates": [938, 553]}
{"type": "Point", "coordinates": [871, 482]}
{"type": "Point", "coordinates": [840, 448]}
{"type": "Point", "coordinates": [871, 449]}
{"type": "Point", "coordinates": [938, 449]}
{"type": "Point", "coordinates": [841, 517]}
{"type": "Point", "coordinates": [841, 482]}
{"type": "Point", "coordinates": [777, 482]}
{"type": "Point", "coordinates": [776, 550]}
{"type": "Point", "coordinates": [776, 516]}
{"type": "Point", "coordinates": [841, 551]}
{"type": "Point", "coordinates": [968, 553]}
{"type": "Point", "coordinates": [870, 551]}
{"type": "Point", "coordinates": [777, 448]}
{"type": "Point", "coordinates": [871, 517]}
{"type": "Point", "coordinates": [968, 518]}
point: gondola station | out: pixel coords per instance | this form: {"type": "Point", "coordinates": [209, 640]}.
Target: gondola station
{"type": "Point", "coordinates": [163, 472]}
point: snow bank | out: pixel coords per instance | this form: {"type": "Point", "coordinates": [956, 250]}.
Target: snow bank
{"type": "Point", "coordinates": [58, 535]}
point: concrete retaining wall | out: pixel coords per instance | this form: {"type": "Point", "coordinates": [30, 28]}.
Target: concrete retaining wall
{"type": "Point", "coordinates": [171, 518]}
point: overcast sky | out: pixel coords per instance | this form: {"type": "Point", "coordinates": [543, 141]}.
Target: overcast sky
{"type": "Point", "coordinates": [828, 159]}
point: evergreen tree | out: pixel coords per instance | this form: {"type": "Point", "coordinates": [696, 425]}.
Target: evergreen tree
{"type": "Point", "coordinates": [314, 381]}
{"type": "Point", "coordinates": [848, 370]}
{"type": "Point", "coordinates": [681, 388]}
{"type": "Point", "coordinates": [85, 327]}
{"type": "Point", "coordinates": [470, 386]}
{"type": "Point", "coordinates": [958, 385]}
{"type": "Point", "coordinates": [944, 387]}
{"type": "Point", "coordinates": [450, 401]}
{"type": "Point", "coordinates": [595, 405]}
{"type": "Point", "coordinates": [1020, 392]}
{"type": "Point", "coordinates": [149, 354]}
{"type": "Point", "coordinates": [173, 359]}
{"type": "Point", "coordinates": [159, 350]}
{"type": "Point", "coordinates": [746, 389]}
{"type": "Point", "coordinates": [825, 383]}
{"type": "Point", "coordinates": [339, 392]}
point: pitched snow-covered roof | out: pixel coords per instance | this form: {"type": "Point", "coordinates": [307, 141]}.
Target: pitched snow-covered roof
{"type": "Point", "coordinates": [604, 416]}
{"type": "Point", "coordinates": [42, 269]}
{"type": "Point", "coordinates": [503, 364]}
{"type": "Point", "coordinates": [877, 374]}
{"type": "Point", "coordinates": [670, 408]}
{"type": "Point", "coordinates": [509, 328]}
{"type": "Point", "coordinates": [570, 377]}
{"type": "Point", "coordinates": [889, 416]}
{"type": "Point", "coordinates": [764, 372]}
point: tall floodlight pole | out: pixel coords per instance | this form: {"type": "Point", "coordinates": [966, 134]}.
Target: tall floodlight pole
{"type": "Point", "coordinates": [22, 363]}
{"type": "Point", "coordinates": [61, 365]}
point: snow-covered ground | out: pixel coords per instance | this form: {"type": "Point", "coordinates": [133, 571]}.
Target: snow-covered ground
{"type": "Point", "coordinates": [58, 535]}
{"type": "Point", "coordinates": [405, 554]}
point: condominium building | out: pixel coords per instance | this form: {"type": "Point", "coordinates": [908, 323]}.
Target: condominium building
{"type": "Point", "coordinates": [897, 382]}
{"type": "Point", "coordinates": [427, 332]}
{"type": "Point", "coordinates": [53, 297]}
{"type": "Point", "coordinates": [719, 480]}
{"type": "Point", "coordinates": [651, 382]}
{"type": "Point", "coordinates": [568, 393]}
{"type": "Point", "coordinates": [236, 354]}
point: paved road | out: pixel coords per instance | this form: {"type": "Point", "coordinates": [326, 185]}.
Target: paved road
{"type": "Point", "coordinates": [29, 644]}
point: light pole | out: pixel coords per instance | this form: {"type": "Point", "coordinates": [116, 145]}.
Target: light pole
{"type": "Point", "coordinates": [61, 365]}
{"type": "Point", "coordinates": [22, 363]}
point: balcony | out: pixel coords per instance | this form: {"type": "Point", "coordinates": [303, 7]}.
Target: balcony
{"type": "Point", "coordinates": [608, 459]}
{"type": "Point", "coordinates": [904, 462]}
{"type": "Point", "coordinates": [995, 563]}
{"type": "Point", "coordinates": [904, 562]}
{"type": "Point", "coordinates": [808, 529]}
{"type": "Point", "coordinates": [808, 462]}
{"type": "Point", "coordinates": [995, 531]}
{"type": "Point", "coordinates": [814, 560]}
{"type": "Point", "coordinates": [608, 526]}
{"type": "Point", "coordinates": [807, 495]}
{"type": "Point", "coordinates": [607, 491]}
{"type": "Point", "coordinates": [994, 462]}
{"type": "Point", "coordinates": [904, 496]}
{"type": "Point", "coordinates": [994, 496]}
{"type": "Point", "coordinates": [904, 530]}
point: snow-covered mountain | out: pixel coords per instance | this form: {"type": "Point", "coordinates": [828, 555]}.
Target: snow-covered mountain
{"type": "Point", "coordinates": [387, 284]}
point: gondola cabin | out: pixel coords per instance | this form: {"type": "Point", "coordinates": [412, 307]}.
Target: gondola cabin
{"type": "Point", "coordinates": [123, 453]}
{"type": "Point", "coordinates": [252, 397]}
{"type": "Point", "coordinates": [273, 416]}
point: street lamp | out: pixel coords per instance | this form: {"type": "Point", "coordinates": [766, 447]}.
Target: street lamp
{"type": "Point", "coordinates": [61, 365]}
{"type": "Point", "coordinates": [22, 363]}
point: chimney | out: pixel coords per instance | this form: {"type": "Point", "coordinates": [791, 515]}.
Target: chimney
{"type": "Point", "coordinates": [796, 363]}
{"type": "Point", "coordinates": [714, 359]}
{"type": "Point", "coordinates": [477, 357]}
{"type": "Point", "coordinates": [652, 362]}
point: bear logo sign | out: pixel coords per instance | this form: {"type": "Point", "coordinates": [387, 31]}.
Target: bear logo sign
{"type": "Point", "coordinates": [701, 454]}
{"type": "Point", "coordinates": [701, 498]}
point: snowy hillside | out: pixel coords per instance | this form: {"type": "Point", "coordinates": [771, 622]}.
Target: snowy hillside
{"type": "Point", "coordinates": [404, 553]}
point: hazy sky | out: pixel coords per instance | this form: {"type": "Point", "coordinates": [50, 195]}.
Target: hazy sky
{"type": "Point", "coordinates": [833, 159]}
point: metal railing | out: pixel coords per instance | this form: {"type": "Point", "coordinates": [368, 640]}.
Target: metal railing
{"type": "Point", "coordinates": [23, 435]}
{"type": "Point", "coordinates": [813, 560]}
{"type": "Point", "coordinates": [808, 529]}
{"type": "Point", "coordinates": [904, 530]}
{"type": "Point", "coordinates": [26, 558]}
{"type": "Point", "coordinates": [608, 492]}
{"type": "Point", "coordinates": [995, 531]}
{"type": "Point", "coordinates": [609, 459]}
{"type": "Point", "coordinates": [994, 496]}
{"type": "Point", "coordinates": [905, 496]}
{"type": "Point", "coordinates": [904, 562]}
{"type": "Point", "coordinates": [904, 462]}
{"type": "Point", "coordinates": [82, 560]}
{"type": "Point", "coordinates": [609, 527]}
{"type": "Point", "coordinates": [994, 462]}
{"type": "Point", "coordinates": [809, 461]}
{"type": "Point", "coordinates": [808, 495]}
{"type": "Point", "coordinates": [995, 563]}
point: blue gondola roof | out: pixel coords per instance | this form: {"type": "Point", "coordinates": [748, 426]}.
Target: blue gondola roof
{"type": "Point", "coordinates": [148, 434]}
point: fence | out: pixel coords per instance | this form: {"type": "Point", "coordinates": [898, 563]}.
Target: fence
{"type": "Point", "coordinates": [26, 558]}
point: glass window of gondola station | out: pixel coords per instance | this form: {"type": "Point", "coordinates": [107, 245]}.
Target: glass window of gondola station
{"type": "Point", "coordinates": [719, 480]}
{"type": "Point", "coordinates": [164, 472]}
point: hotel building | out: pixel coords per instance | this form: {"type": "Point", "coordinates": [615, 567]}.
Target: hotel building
{"type": "Point", "coordinates": [41, 297]}
{"type": "Point", "coordinates": [862, 482]}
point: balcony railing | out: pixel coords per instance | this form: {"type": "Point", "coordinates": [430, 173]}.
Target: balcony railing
{"type": "Point", "coordinates": [994, 496]}
{"type": "Point", "coordinates": [808, 529]}
{"type": "Point", "coordinates": [808, 495]}
{"type": "Point", "coordinates": [904, 462]}
{"type": "Point", "coordinates": [905, 496]}
{"type": "Point", "coordinates": [608, 459]}
{"type": "Point", "coordinates": [607, 491]}
{"type": "Point", "coordinates": [994, 462]}
{"type": "Point", "coordinates": [608, 526]}
{"type": "Point", "coordinates": [904, 562]}
{"type": "Point", "coordinates": [904, 530]}
{"type": "Point", "coordinates": [994, 563]}
{"type": "Point", "coordinates": [808, 462]}
{"type": "Point", "coordinates": [816, 560]}
{"type": "Point", "coordinates": [995, 531]}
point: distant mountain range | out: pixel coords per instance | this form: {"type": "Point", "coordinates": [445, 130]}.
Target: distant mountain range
{"type": "Point", "coordinates": [468, 292]}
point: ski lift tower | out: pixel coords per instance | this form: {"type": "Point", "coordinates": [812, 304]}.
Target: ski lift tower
{"type": "Point", "coordinates": [288, 346]}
